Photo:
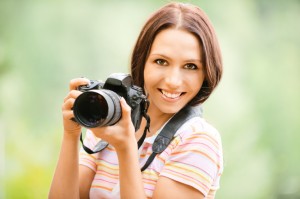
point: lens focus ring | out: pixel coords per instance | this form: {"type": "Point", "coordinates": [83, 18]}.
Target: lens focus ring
{"type": "Point", "coordinates": [96, 108]}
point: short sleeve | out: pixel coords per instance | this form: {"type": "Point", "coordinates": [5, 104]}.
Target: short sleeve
{"type": "Point", "coordinates": [197, 160]}
{"type": "Point", "coordinates": [86, 159]}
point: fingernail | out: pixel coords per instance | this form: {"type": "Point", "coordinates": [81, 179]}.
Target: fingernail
{"type": "Point", "coordinates": [123, 100]}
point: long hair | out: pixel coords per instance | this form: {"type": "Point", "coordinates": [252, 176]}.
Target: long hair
{"type": "Point", "coordinates": [186, 17]}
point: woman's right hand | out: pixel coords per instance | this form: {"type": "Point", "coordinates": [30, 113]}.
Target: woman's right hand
{"type": "Point", "coordinates": [71, 127]}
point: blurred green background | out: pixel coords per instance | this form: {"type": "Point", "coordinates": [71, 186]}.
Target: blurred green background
{"type": "Point", "coordinates": [45, 43]}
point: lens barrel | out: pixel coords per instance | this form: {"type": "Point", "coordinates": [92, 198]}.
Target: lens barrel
{"type": "Point", "coordinates": [96, 108]}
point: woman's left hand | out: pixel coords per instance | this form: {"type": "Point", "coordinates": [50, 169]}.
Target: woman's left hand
{"type": "Point", "coordinates": [122, 134]}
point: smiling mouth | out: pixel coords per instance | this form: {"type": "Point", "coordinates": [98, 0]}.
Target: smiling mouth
{"type": "Point", "coordinates": [171, 95]}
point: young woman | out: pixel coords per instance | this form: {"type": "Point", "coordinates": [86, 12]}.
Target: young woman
{"type": "Point", "coordinates": [177, 61]}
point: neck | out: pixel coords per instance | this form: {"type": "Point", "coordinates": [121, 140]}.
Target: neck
{"type": "Point", "coordinates": [157, 120]}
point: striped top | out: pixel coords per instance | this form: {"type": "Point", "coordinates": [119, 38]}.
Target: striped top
{"type": "Point", "coordinates": [194, 158]}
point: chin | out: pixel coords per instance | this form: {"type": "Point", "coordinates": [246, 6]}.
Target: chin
{"type": "Point", "coordinates": [170, 110]}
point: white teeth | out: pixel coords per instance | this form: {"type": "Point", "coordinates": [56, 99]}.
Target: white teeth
{"type": "Point", "coordinates": [170, 95]}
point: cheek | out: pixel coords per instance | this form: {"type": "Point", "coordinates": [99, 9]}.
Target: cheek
{"type": "Point", "coordinates": [200, 81]}
{"type": "Point", "coordinates": [147, 77]}
{"type": "Point", "coordinates": [196, 84]}
{"type": "Point", "coordinates": [147, 69]}
{"type": "Point", "coordinates": [148, 81]}
{"type": "Point", "coordinates": [149, 73]}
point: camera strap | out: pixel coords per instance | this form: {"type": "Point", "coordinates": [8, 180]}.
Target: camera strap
{"type": "Point", "coordinates": [166, 135]}
{"type": "Point", "coordinates": [163, 139]}
{"type": "Point", "coordinates": [103, 144]}
{"type": "Point", "coordinates": [146, 116]}
{"type": "Point", "coordinates": [98, 147]}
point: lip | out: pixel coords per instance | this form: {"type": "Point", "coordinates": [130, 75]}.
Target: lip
{"type": "Point", "coordinates": [171, 96]}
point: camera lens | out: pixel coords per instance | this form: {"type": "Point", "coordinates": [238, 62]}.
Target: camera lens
{"type": "Point", "coordinates": [96, 108]}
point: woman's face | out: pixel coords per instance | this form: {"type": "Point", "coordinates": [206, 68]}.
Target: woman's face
{"type": "Point", "coordinates": [173, 71]}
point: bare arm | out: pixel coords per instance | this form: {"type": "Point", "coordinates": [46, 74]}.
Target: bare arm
{"type": "Point", "coordinates": [86, 176]}
{"type": "Point", "coordinates": [70, 179]}
{"type": "Point", "coordinates": [170, 189]}
{"type": "Point", "coordinates": [65, 183]}
{"type": "Point", "coordinates": [122, 137]}
{"type": "Point", "coordinates": [131, 184]}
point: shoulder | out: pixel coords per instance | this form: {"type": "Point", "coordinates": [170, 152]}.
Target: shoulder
{"type": "Point", "coordinates": [198, 126]}
{"type": "Point", "coordinates": [195, 156]}
{"type": "Point", "coordinates": [198, 138]}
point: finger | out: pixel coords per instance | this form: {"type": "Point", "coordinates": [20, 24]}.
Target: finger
{"type": "Point", "coordinates": [68, 104]}
{"type": "Point", "coordinates": [68, 115]}
{"type": "Point", "coordinates": [74, 83]}
{"type": "Point", "coordinates": [126, 109]}
{"type": "Point", "coordinates": [72, 94]}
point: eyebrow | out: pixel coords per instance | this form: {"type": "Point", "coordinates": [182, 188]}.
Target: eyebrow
{"type": "Point", "coordinates": [166, 57]}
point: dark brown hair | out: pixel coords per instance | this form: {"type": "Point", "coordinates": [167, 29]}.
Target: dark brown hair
{"type": "Point", "coordinates": [186, 17]}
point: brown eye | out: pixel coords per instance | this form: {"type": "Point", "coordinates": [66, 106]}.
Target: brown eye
{"type": "Point", "coordinates": [191, 66]}
{"type": "Point", "coordinates": [161, 62]}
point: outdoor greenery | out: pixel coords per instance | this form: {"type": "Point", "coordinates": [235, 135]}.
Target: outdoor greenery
{"type": "Point", "coordinates": [44, 44]}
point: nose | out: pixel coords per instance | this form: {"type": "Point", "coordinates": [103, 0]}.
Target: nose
{"type": "Point", "coordinates": [173, 77]}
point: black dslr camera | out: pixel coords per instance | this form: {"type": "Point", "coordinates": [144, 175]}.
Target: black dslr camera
{"type": "Point", "coordinates": [99, 104]}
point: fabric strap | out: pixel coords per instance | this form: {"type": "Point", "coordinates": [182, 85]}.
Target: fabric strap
{"type": "Point", "coordinates": [166, 135]}
{"type": "Point", "coordinates": [103, 144]}
{"type": "Point", "coordinates": [163, 139]}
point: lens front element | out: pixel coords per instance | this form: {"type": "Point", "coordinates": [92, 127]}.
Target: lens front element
{"type": "Point", "coordinates": [96, 108]}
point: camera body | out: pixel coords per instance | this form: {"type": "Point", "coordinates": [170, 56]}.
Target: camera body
{"type": "Point", "coordinates": [99, 104]}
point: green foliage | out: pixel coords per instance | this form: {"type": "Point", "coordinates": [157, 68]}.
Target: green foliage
{"type": "Point", "coordinates": [44, 44]}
